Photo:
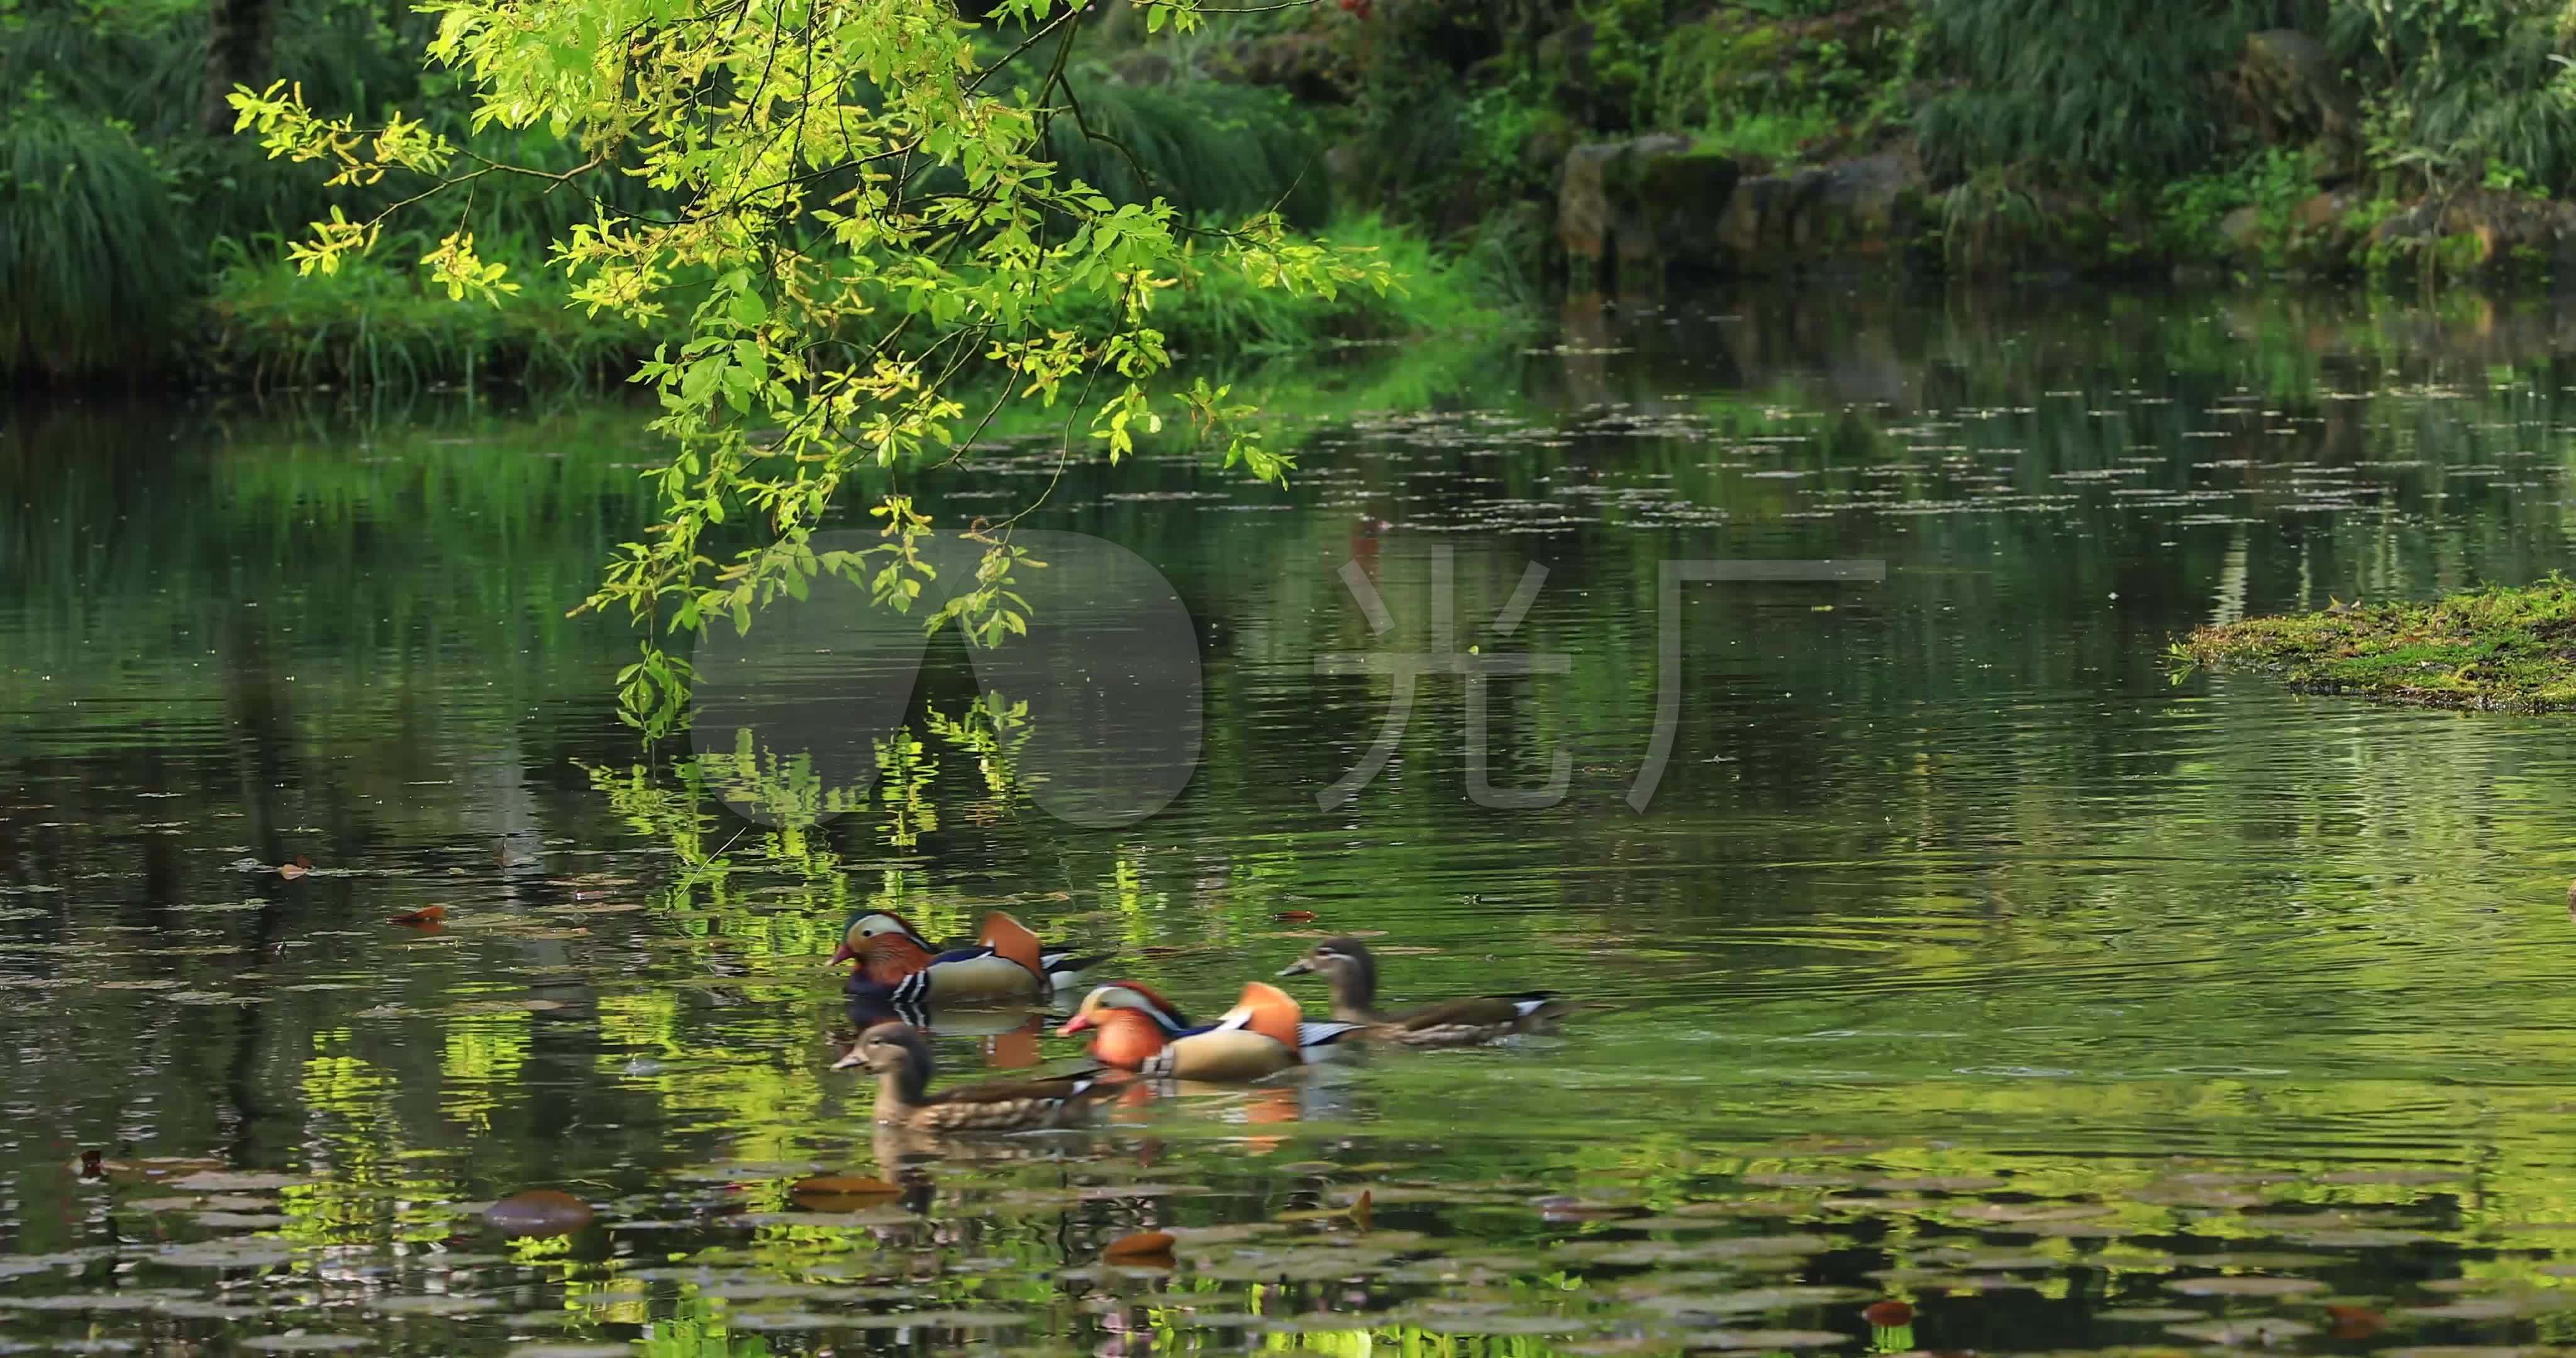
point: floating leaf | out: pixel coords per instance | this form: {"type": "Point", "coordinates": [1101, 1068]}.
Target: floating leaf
{"type": "Point", "coordinates": [427, 914]}
{"type": "Point", "coordinates": [1143, 1246]}
{"type": "Point", "coordinates": [2478, 1308]}
{"type": "Point", "coordinates": [2241, 1333]}
{"type": "Point", "coordinates": [1888, 1314]}
{"type": "Point", "coordinates": [228, 1181]}
{"type": "Point", "coordinates": [1766, 1339]}
{"type": "Point", "coordinates": [2246, 1285]}
{"type": "Point", "coordinates": [538, 1212]}
{"type": "Point", "coordinates": [841, 1192]}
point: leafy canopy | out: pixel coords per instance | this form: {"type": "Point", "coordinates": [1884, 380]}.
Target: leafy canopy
{"type": "Point", "coordinates": [862, 236]}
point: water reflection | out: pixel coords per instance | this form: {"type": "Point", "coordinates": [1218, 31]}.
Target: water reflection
{"type": "Point", "coordinates": [1963, 961]}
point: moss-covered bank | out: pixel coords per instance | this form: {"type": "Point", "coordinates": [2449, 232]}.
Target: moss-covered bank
{"type": "Point", "coordinates": [2494, 649]}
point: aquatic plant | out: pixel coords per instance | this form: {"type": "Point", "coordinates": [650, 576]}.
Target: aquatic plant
{"type": "Point", "coordinates": [2491, 648]}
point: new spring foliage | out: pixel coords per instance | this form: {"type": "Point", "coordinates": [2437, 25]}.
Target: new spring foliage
{"type": "Point", "coordinates": [862, 227]}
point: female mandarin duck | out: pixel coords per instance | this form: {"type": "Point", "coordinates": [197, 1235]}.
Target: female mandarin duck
{"type": "Point", "coordinates": [900, 1057]}
{"type": "Point", "coordinates": [1347, 964]}
{"type": "Point", "coordinates": [1004, 966]}
{"type": "Point", "coordinates": [1136, 1029]}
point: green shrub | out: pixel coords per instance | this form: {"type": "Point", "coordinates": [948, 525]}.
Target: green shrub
{"type": "Point", "coordinates": [2104, 88]}
{"type": "Point", "coordinates": [1208, 147]}
{"type": "Point", "coordinates": [90, 260]}
{"type": "Point", "coordinates": [2464, 90]}
{"type": "Point", "coordinates": [370, 325]}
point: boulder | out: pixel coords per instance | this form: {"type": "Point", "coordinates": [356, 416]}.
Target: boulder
{"type": "Point", "coordinates": [1310, 66]}
{"type": "Point", "coordinates": [2289, 88]}
{"type": "Point", "coordinates": [2242, 231]}
{"type": "Point", "coordinates": [2487, 228]}
{"type": "Point", "coordinates": [1621, 200]}
{"type": "Point", "coordinates": [1853, 210]}
{"type": "Point", "coordinates": [1658, 203]}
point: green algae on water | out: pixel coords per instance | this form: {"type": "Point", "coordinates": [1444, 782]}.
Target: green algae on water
{"type": "Point", "coordinates": [2491, 649]}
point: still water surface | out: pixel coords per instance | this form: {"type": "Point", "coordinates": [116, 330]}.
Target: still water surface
{"type": "Point", "coordinates": [1965, 955]}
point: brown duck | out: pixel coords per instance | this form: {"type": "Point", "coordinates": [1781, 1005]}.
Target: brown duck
{"type": "Point", "coordinates": [901, 1059]}
{"type": "Point", "coordinates": [1352, 971]}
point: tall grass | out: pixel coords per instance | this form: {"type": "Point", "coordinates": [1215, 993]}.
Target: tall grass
{"type": "Point", "coordinates": [370, 325]}
{"type": "Point", "coordinates": [2108, 88]}
{"type": "Point", "coordinates": [91, 268]}
{"type": "Point", "coordinates": [1207, 147]}
{"type": "Point", "coordinates": [2465, 90]}
{"type": "Point", "coordinates": [1215, 310]}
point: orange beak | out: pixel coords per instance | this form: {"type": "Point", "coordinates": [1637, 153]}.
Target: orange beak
{"type": "Point", "coordinates": [841, 954]}
{"type": "Point", "coordinates": [1079, 1023]}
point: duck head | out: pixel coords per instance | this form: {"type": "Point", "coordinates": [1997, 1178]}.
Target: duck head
{"type": "Point", "coordinates": [898, 1055]}
{"type": "Point", "coordinates": [1128, 1024]}
{"type": "Point", "coordinates": [1344, 962]}
{"type": "Point", "coordinates": [877, 933]}
{"type": "Point", "coordinates": [1129, 995]}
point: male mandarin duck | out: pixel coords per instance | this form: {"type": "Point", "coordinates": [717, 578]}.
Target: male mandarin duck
{"type": "Point", "coordinates": [1006, 964]}
{"type": "Point", "coordinates": [900, 1057]}
{"type": "Point", "coordinates": [1347, 964]}
{"type": "Point", "coordinates": [1136, 1029]}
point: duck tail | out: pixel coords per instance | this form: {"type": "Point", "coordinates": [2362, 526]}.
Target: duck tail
{"type": "Point", "coordinates": [1541, 1004]}
{"type": "Point", "coordinates": [1061, 967]}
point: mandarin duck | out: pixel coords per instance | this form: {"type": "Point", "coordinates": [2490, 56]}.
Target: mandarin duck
{"type": "Point", "coordinates": [1006, 964]}
{"type": "Point", "coordinates": [900, 1057]}
{"type": "Point", "coordinates": [1136, 1029]}
{"type": "Point", "coordinates": [1347, 964]}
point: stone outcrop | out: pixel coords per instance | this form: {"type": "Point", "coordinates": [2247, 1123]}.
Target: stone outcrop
{"type": "Point", "coordinates": [2484, 228]}
{"type": "Point", "coordinates": [2290, 90]}
{"type": "Point", "coordinates": [1656, 204]}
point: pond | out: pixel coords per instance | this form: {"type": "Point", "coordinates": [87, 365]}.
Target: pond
{"type": "Point", "coordinates": [1965, 956]}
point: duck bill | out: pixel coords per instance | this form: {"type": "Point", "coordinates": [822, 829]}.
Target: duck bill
{"type": "Point", "coordinates": [841, 954]}
{"type": "Point", "coordinates": [849, 1059]}
{"type": "Point", "coordinates": [1297, 968]}
{"type": "Point", "coordinates": [1079, 1023]}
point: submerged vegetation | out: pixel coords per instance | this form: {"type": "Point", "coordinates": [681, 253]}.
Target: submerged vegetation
{"type": "Point", "coordinates": [2500, 648]}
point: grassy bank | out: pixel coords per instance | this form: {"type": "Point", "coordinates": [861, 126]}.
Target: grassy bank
{"type": "Point", "coordinates": [2498, 649]}
{"type": "Point", "coordinates": [374, 325]}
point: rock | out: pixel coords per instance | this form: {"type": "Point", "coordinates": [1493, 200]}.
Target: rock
{"type": "Point", "coordinates": [1143, 67]}
{"type": "Point", "coordinates": [1670, 197]}
{"type": "Point", "coordinates": [2242, 230]}
{"type": "Point", "coordinates": [2487, 228]}
{"type": "Point", "coordinates": [1583, 201]}
{"type": "Point", "coordinates": [1308, 65]}
{"type": "Point", "coordinates": [2288, 86]}
{"type": "Point", "coordinates": [1659, 203]}
{"type": "Point", "coordinates": [1865, 209]}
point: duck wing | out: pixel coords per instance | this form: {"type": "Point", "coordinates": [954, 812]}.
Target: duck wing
{"type": "Point", "coordinates": [1051, 1089]}
{"type": "Point", "coordinates": [1325, 1032]}
{"type": "Point", "coordinates": [1483, 1011]}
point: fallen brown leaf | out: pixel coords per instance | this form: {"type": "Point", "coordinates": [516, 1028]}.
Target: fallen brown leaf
{"type": "Point", "coordinates": [428, 914]}
{"type": "Point", "coordinates": [1147, 1247]}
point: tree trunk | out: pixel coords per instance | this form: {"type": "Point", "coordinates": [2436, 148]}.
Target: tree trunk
{"type": "Point", "coordinates": [238, 35]}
